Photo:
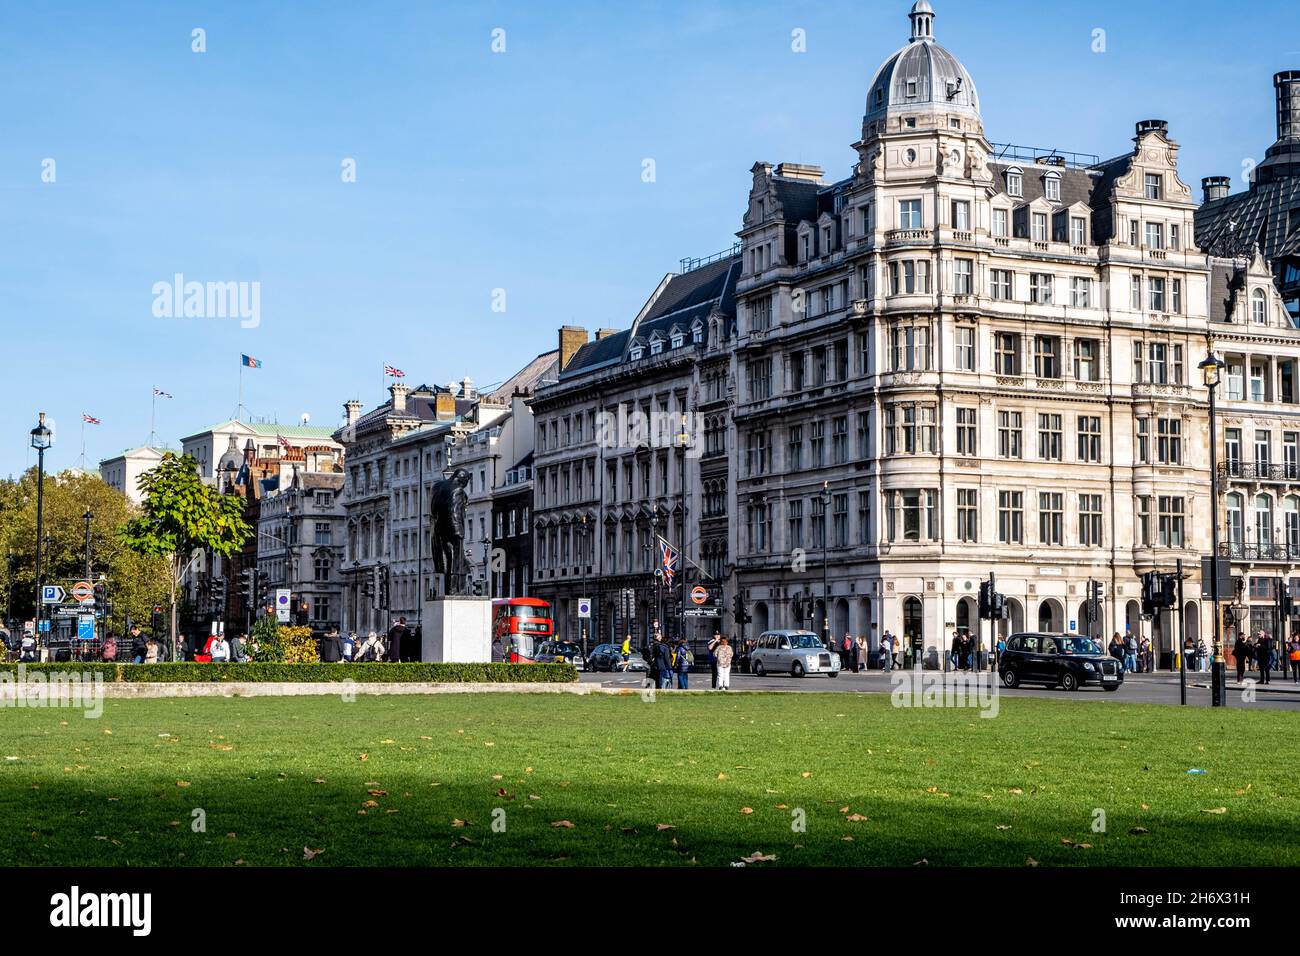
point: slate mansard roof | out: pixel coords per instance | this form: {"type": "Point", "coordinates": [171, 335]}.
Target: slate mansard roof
{"type": "Point", "coordinates": [687, 299]}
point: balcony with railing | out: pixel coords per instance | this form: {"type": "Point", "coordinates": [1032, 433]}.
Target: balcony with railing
{"type": "Point", "coordinates": [1257, 551]}
{"type": "Point", "coordinates": [1259, 471]}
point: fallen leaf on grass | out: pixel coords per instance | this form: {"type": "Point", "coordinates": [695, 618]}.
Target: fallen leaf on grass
{"type": "Point", "coordinates": [806, 774]}
{"type": "Point", "coordinates": [1015, 790]}
{"type": "Point", "coordinates": [371, 803]}
{"type": "Point", "coordinates": [458, 823]}
{"type": "Point", "coordinates": [1030, 861]}
{"type": "Point", "coordinates": [1004, 826]}
{"type": "Point", "coordinates": [533, 796]}
{"type": "Point", "coordinates": [782, 806]}
{"type": "Point", "coordinates": [309, 854]}
{"type": "Point", "coordinates": [365, 757]}
{"type": "Point", "coordinates": [922, 862]}
{"type": "Point", "coordinates": [856, 818]}
{"type": "Point", "coordinates": [562, 824]}
{"type": "Point", "coordinates": [318, 780]}
{"type": "Point", "coordinates": [664, 826]}
{"type": "Point", "coordinates": [723, 776]}
{"type": "Point", "coordinates": [1216, 810]}
{"type": "Point", "coordinates": [1137, 830]}
{"type": "Point", "coordinates": [182, 783]}
{"type": "Point", "coordinates": [746, 809]}
{"type": "Point", "coordinates": [759, 857]}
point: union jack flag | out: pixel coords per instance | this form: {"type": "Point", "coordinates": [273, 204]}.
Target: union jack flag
{"type": "Point", "coordinates": [395, 372]}
{"type": "Point", "coordinates": [160, 392]}
{"type": "Point", "coordinates": [284, 442]}
{"type": "Point", "coordinates": [90, 419]}
{"type": "Point", "coordinates": [667, 561]}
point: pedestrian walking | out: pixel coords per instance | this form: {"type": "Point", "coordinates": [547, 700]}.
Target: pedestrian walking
{"type": "Point", "coordinates": [714, 642]}
{"type": "Point", "coordinates": [724, 656]}
{"type": "Point", "coordinates": [137, 645]}
{"type": "Point", "coordinates": [664, 659]}
{"type": "Point", "coordinates": [1263, 650]}
{"type": "Point", "coordinates": [1130, 652]}
{"type": "Point", "coordinates": [1241, 654]}
{"type": "Point", "coordinates": [1293, 652]}
{"type": "Point", "coordinates": [682, 664]}
{"type": "Point", "coordinates": [350, 646]}
{"type": "Point", "coordinates": [1115, 649]}
{"type": "Point", "coordinates": [954, 651]}
{"type": "Point", "coordinates": [396, 634]}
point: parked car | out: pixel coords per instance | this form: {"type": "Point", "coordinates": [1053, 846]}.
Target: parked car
{"type": "Point", "coordinates": [560, 652]}
{"type": "Point", "coordinates": [609, 657]}
{"type": "Point", "coordinates": [1068, 661]}
{"type": "Point", "coordinates": [796, 653]}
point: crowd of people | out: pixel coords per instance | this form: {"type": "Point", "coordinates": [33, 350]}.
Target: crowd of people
{"type": "Point", "coordinates": [1261, 655]}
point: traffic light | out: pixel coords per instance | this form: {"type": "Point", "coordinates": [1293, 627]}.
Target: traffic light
{"type": "Point", "coordinates": [101, 598]}
{"type": "Point", "coordinates": [986, 600]}
{"type": "Point", "coordinates": [248, 584]}
{"type": "Point", "coordinates": [218, 597]}
{"type": "Point", "coordinates": [155, 619]}
{"type": "Point", "coordinates": [1148, 593]}
{"type": "Point", "coordinates": [1168, 590]}
{"type": "Point", "coordinates": [742, 617]}
{"type": "Point", "coordinates": [797, 605]}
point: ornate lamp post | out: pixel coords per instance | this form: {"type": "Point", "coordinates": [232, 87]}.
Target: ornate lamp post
{"type": "Point", "coordinates": [1211, 368]}
{"type": "Point", "coordinates": [42, 439]}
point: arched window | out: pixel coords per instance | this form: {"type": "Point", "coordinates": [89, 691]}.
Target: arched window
{"type": "Point", "coordinates": [697, 333]}
{"type": "Point", "coordinates": [1258, 308]}
{"type": "Point", "coordinates": [1015, 181]}
{"type": "Point", "coordinates": [1236, 521]}
{"type": "Point", "coordinates": [1263, 520]}
{"type": "Point", "coordinates": [1052, 187]}
{"type": "Point", "coordinates": [1291, 510]}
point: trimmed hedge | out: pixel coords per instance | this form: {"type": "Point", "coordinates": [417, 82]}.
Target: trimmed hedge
{"type": "Point", "coordinates": [370, 673]}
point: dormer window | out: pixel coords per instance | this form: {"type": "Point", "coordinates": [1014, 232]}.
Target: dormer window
{"type": "Point", "coordinates": [636, 352]}
{"type": "Point", "coordinates": [911, 89]}
{"type": "Point", "coordinates": [880, 96]}
{"type": "Point", "coordinates": [697, 333]}
{"type": "Point", "coordinates": [1015, 182]}
{"type": "Point", "coordinates": [1258, 308]}
{"type": "Point", "coordinates": [656, 346]}
{"type": "Point", "coordinates": [826, 240]}
{"type": "Point", "coordinates": [1152, 189]}
{"type": "Point", "coordinates": [1052, 187]}
{"type": "Point", "coordinates": [805, 250]}
{"type": "Point", "coordinates": [678, 340]}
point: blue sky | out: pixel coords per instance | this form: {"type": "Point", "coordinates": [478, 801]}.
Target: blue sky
{"type": "Point", "coordinates": [479, 171]}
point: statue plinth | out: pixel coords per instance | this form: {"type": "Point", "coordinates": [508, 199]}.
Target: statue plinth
{"type": "Point", "coordinates": [456, 629]}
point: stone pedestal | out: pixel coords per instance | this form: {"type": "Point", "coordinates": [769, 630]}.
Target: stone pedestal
{"type": "Point", "coordinates": [456, 629]}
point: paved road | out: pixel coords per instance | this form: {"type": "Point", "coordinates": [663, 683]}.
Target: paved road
{"type": "Point", "coordinates": [1159, 688]}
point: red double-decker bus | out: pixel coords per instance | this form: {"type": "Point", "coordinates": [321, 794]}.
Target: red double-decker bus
{"type": "Point", "coordinates": [521, 623]}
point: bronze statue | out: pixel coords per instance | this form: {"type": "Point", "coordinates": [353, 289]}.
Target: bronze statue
{"type": "Point", "coordinates": [447, 520]}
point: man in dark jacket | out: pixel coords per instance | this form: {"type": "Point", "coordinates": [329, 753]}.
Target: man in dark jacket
{"type": "Point", "coordinates": [664, 660]}
{"type": "Point", "coordinates": [1241, 654]}
{"type": "Point", "coordinates": [682, 665]}
{"type": "Point", "coordinates": [137, 645]}
{"type": "Point", "coordinates": [395, 635]}
{"type": "Point", "coordinates": [1263, 648]}
{"type": "Point", "coordinates": [331, 648]}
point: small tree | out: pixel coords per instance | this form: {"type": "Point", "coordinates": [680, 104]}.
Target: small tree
{"type": "Point", "coordinates": [181, 515]}
{"type": "Point", "coordinates": [267, 647]}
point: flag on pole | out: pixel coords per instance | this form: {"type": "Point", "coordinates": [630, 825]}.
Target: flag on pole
{"type": "Point", "coordinates": [249, 362]}
{"type": "Point", "coordinates": [667, 560]}
{"type": "Point", "coordinates": [395, 372]}
{"type": "Point", "coordinates": [284, 442]}
{"type": "Point", "coordinates": [90, 419]}
{"type": "Point", "coordinates": [160, 393]}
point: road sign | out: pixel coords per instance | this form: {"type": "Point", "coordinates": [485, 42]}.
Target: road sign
{"type": "Point", "coordinates": [83, 592]}
{"type": "Point", "coordinates": [584, 607]}
{"type": "Point", "coordinates": [702, 612]}
{"type": "Point", "coordinates": [699, 594]}
{"type": "Point", "coordinates": [282, 605]}
{"type": "Point", "coordinates": [52, 594]}
{"type": "Point", "coordinates": [86, 627]}
{"type": "Point", "coordinates": [45, 624]}
{"type": "Point", "coordinates": [1074, 626]}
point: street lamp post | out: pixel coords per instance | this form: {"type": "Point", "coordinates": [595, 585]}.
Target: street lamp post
{"type": "Point", "coordinates": [1211, 366]}
{"type": "Point", "coordinates": [583, 529]}
{"type": "Point", "coordinates": [89, 516]}
{"type": "Point", "coordinates": [42, 439]}
{"type": "Point", "coordinates": [826, 594]}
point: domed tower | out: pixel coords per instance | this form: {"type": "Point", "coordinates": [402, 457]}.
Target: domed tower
{"type": "Point", "coordinates": [922, 88]}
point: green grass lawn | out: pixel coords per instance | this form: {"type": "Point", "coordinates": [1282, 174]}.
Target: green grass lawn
{"type": "Point", "coordinates": [724, 776]}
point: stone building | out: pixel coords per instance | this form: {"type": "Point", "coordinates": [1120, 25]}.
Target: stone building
{"type": "Point", "coordinates": [300, 533]}
{"type": "Point", "coordinates": [967, 358]}
{"type": "Point", "coordinates": [621, 448]}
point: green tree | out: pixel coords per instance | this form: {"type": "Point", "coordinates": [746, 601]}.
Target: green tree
{"type": "Point", "coordinates": [135, 582]}
{"type": "Point", "coordinates": [181, 519]}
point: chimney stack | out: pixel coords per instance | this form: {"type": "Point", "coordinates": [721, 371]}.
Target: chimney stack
{"type": "Point", "coordinates": [1287, 84]}
{"type": "Point", "coordinates": [399, 397]}
{"type": "Point", "coordinates": [1215, 187]}
{"type": "Point", "coordinates": [572, 338]}
{"type": "Point", "coordinates": [1152, 126]}
{"type": "Point", "coordinates": [352, 411]}
{"type": "Point", "coordinates": [605, 333]}
{"type": "Point", "coordinates": [804, 171]}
